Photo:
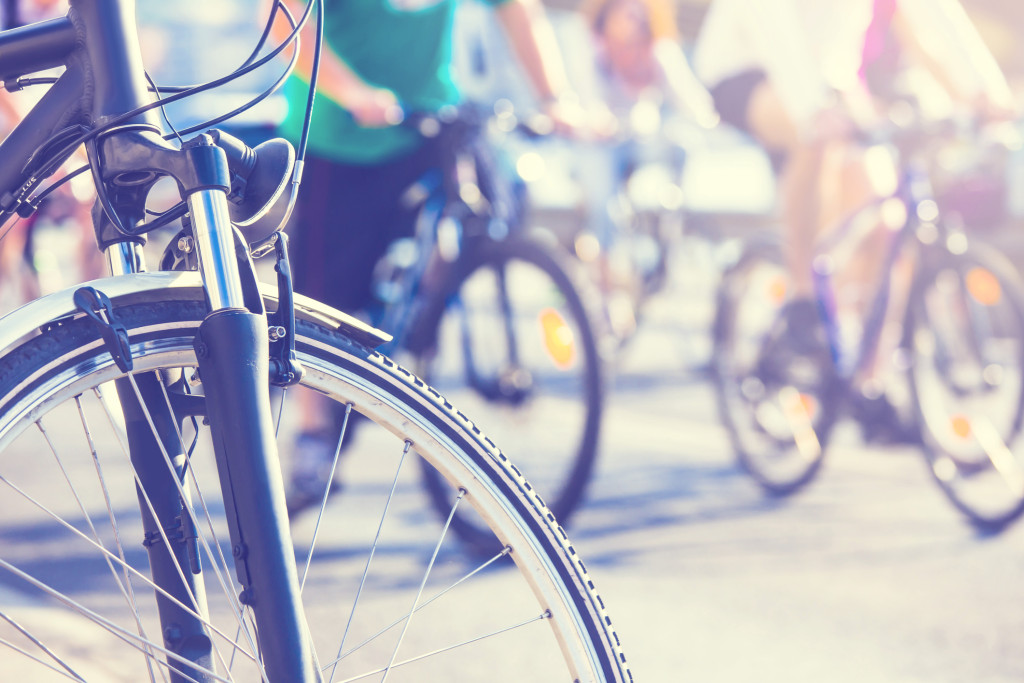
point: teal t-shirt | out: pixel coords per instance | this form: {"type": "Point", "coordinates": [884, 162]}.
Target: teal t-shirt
{"type": "Point", "coordinates": [402, 45]}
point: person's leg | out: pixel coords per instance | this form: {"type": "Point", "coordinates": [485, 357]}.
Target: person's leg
{"type": "Point", "coordinates": [799, 181]}
{"type": "Point", "coordinates": [347, 217]}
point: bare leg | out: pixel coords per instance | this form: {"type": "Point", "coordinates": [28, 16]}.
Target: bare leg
{"type": "Point", "coordinates": [799, 182]}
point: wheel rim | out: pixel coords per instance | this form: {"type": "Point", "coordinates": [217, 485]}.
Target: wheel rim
{"type": "Point", "coordinates": [773, 400]}
{"type": "Point", "coordinates": [512, 353]}
{"type": "Point", "coordinates": [967, 379]}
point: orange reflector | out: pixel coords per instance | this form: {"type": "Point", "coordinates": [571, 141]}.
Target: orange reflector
{"type": "Point", "coordinates": [810, 405]}
{"type": "Point", "coordinates": [777, 290]}
{"type": "Point", "coordinates": [961, 426]}
{"type": "Point", "coordinates": [984, 287]}
{"type": "Point", "coordinates": [558, 338]}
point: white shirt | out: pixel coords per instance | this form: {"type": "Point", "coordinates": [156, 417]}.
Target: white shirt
{"type": "Point", "coordinates": [807, 48]}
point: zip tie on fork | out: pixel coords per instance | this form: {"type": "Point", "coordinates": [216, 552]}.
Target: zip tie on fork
{"type": "Point", "coordinates": [98, 307]}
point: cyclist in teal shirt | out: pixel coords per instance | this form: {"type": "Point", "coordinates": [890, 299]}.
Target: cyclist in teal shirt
{"type": "Point", "coordinates": [381, 58]}
{"type": "Point", "coordinates": [404, 52]}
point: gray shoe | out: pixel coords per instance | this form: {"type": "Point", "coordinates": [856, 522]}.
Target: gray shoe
{"type": "Point", "coordinates": [312, 457]}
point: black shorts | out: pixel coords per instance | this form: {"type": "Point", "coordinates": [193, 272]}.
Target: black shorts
{"type": "Point", "coordinates": [732, 97]}
{"type": "Point", "coordinates": [345, 217]}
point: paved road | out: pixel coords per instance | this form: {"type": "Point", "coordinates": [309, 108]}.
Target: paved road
{"type": "Point", "coordinates": [868, 575]}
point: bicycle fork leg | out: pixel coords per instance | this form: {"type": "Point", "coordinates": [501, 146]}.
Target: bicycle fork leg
{"type": "Point", "coordinates": [233, 351]}
{"type": "Point", "coordinates": [173, 566]}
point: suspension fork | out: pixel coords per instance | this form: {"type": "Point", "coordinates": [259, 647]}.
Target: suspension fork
{"type": "Point", "coordinates": [233, 351]}
{"type": "Point", "coordinates": [232, 348]}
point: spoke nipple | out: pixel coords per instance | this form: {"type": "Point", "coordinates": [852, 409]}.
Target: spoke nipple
{"type": "Point", "coordinates": [238, 551]}
{"type": "Point", "coordinates": [246, 597]}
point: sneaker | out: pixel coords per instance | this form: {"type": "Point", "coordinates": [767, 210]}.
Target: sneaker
{"type": "Point", "coordinates": [802, 328]}
{"type": "Point", "coordinates": [796, 348]}
{"type": "Point", "coordinates": [312, 457]}
{"type": "Point", "coordinates": [880, 422]}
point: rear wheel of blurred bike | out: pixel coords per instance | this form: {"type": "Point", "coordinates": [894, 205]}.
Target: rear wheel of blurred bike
{"type": "Point", "coordinates": [382, 588]}
{"type": "Point", "coordinates": [509, 340]}
{"type": "Point", "coordinates": [777, 400]}
{"type": "Point", "coordinates": [964, 340]}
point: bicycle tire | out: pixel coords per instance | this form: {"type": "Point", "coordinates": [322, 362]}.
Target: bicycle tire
{"type": "Point", "coordinates": [750, 406]}
{"type": "Point", "coordinates": [964, 339]}
{"type": "Point", "coordinates": [61, 364]}
{"type": "Point", "coordinates": [538, 390]}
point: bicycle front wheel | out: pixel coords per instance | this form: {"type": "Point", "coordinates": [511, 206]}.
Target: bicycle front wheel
{"type": "Point", "coordinates": [78, 597]}
{"type": "Point", "coordinates": [777, 402]}
{"type": "Point", "coordinates": [965, 342]}
{"type": "Point", "coordinates": [509, 340]}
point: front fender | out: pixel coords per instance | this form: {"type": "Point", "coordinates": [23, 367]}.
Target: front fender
{"type": "Point", "coordinates": [27, 320]}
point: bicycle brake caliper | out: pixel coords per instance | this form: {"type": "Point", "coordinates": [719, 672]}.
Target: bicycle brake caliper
{"type": "Point", "coordinates": [285, 369]}
{"type": "Point", "coordinates": [100, 310]}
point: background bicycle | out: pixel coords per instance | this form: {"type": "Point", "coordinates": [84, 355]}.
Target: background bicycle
{"type": "Point", "coordinates": [959, 346]}
{"type": "Point", "coordinates": [492, 315]}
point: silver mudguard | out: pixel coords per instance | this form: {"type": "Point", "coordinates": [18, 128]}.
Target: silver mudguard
{"type": "Point", "coordinates": [162, 286]}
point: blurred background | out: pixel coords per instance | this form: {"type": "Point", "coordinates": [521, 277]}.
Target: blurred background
{"type": "Point", "coordinates": [869, 573]}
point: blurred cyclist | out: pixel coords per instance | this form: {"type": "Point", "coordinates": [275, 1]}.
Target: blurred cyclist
{"type": "Point", "coordinates": [800, 76]}
{"type": "Point", "coordinates": [381, 58]}
{"type": "Point", "coordinates": [643, 80]}
{"type": "Point", "coordinates": [639, 56]}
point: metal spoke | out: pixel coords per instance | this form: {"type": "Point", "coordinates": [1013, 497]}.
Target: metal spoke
{"type": "Point", "coordinates": [122, 634]}
{"type": "Point", "coordinates": [280, 413]}
{"type": "Point", "coordinates": [192, 477]}
{"type": "Point", "coordinates": [81, 506]}
{"type": "Point", "coordinates": [127, 589]}
{"type": "Point", "coordinates": [327, 492]}
{"type": "Point", "coordinates": [219, 570]}
{"type": "Point", "coordinates": [505, 551]}
{"type": "Point", "coordinates": [106, 553]}
{"type": "Point", "coordinates": [123, 441]}
{"type": "Point", "coordinates": [40, 661]}
{"type": "Point", "coordinates": [434, 653]}
{"type": "Point", "coordinates": [232, 598]}
{"type": "Point", "coordinates": [373, 550]}
{"type": "Point", "coordinates": [423, 584]}
{"type": "Point", "coordinates": [64, 665]}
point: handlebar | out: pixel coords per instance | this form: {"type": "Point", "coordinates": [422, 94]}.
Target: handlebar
{"type": "Point", "coordinates": [470, 119]}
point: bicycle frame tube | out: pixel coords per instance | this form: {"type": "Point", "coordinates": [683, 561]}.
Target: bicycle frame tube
{"type": "Point", "coordinates": [59, 107]}
{"type": "Point", "coordinates": [35, 47]}
{"type": "Point", "coordinates": [911, 192]}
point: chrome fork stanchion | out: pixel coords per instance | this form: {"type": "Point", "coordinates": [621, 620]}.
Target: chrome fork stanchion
{"type": "Point", "coordinates": [125, 258]}
{"type": "Point", "coordinates": [211, 226]}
